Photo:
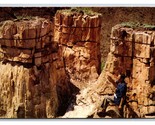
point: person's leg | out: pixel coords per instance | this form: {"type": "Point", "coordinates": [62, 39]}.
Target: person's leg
{"type": "Point", "coordinates": [106, 101]}
{"type": "Point", "coordinates": [110, 98]}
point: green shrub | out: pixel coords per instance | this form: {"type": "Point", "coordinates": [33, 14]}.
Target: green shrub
{"type": "Point", "coordinates": [102, 65]}
{"type": "Point", "coordinates": [84, 10]}
{"type": "Point", "coordinates": [23, 17]}
{"type": "Point", "coordinates": [131, 24]}
{"type": "Point", "coordinates": [147, 26]}
{"type": "Point", "coordinates": [138, 25]}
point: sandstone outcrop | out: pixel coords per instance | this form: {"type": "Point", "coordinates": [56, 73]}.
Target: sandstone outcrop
{"type": "Point", "coordinates": [131, 53]}
{"type": "Point", "coordinates": [79, 36]}
{"type": "Point", "coordinates": [43, 62]}
{"type": "Point", "coordinates": [32, 77]}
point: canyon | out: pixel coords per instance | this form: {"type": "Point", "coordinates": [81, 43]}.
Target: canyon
{"type": "Point", "coordinates": [43, 63]}
{"type": "Point", "coordinates": [52, 68]}
{"type": "Point", "coordinates": [131, 53]}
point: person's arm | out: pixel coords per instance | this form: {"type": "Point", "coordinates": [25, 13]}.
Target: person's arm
{"type": "Point", "coordinates": [121, 103]}
{"type": "Point", "coordinates": [114, 80]}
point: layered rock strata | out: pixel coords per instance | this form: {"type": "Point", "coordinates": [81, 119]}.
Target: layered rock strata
{"type": "Point", "coordinates": [42, 63]}
{"type": "Point", "coordinates": [79, 36]}
{"type": "Point", "coordinates": [132, 53]}
{"type": "Point", "coordinates": [32, 77]}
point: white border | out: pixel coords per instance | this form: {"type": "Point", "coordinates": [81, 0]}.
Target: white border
{"type": "Point", "coordinates": [79, 122]}
{"type": "Point", "coordinates": [77, 5]}
{"type": "Point", "coordinates": [67, 3]}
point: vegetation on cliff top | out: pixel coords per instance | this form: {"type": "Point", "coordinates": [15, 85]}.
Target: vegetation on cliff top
{"type": "Point", "coordinates": [80, 10]}
{"type": "Point", "coordinates": [137, 25]}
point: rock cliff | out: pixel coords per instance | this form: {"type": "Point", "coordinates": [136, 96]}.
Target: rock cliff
{"type": "Point", "coordinates": [131, 53]}
{"type": "Point", "coordinates": [78, 34]}
{"type": "Point", "coordinates": [43, 62]}
{"type": "Point", "coordinates": [29, 60]}
{"type": "Point", "coordinates": [46, 66]}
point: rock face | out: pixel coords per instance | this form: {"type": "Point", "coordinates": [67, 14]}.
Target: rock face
{"type": "Point", "coordinates": [79, 37]}
{"type": "Point", "coordinates": [41, 62]}
{"type": "Point", "coordinates": [132, 53]}
{"type": "Point", "coordinates": [32, 71]}
{"type": "Point", "coordinates": [112, 16]}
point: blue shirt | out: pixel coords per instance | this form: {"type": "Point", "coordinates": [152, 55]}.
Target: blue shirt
{"type": "Point", "coordinates": [120, 92]}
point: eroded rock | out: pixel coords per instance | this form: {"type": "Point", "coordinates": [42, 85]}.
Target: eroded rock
{"type": "Point", "coordinates": [79, 36]}
{"type": "Point", "coordinates": [43, 63]}
{"type": "Point", "coordinates": [33, 79]}
{"type": "Point", "coordinates": [131, 54]}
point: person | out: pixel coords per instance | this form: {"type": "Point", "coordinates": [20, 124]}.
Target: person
{"type": "Point", "coordinates": [119, 96]}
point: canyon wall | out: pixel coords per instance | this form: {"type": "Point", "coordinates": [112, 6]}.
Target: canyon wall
{"type": "Point", "coordinates": [79, 37]}
{"type": "Point", "coordinates": [29, 60]}
{"type": "Point", "coordinates": [43, 62]}
{"type": "Point", "coordinates": [116, 15]}
{"type": "Point", "coordinates": [110, 17]}
{"type": "Point", "coordinates": [132, 53]}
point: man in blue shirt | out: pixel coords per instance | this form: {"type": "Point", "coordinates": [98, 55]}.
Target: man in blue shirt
{"type": "Point", "coordinates": [119, 96]}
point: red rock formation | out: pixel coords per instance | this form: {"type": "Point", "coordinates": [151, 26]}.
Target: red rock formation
{"type": "Point", "coordinates": [32, 70]}
{"type": "Point", "coordinates": [132, 53]}
{"type": "Point", "coordinates": [40, 60]}
{"type": "Point", "coordinates": [79, 37]}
